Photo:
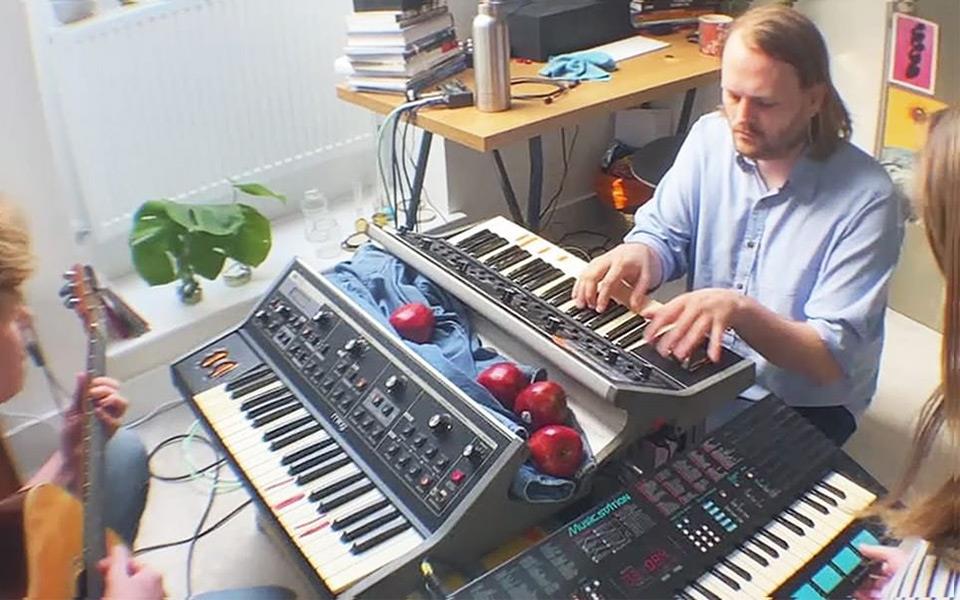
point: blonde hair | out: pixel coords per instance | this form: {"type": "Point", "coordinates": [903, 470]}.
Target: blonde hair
{"type": "Point", "coordinates": [784, 34]}
{"type": "Point", "coordinates": [16, 258]}
{"type": "Point", "coordinates": [936, 518]}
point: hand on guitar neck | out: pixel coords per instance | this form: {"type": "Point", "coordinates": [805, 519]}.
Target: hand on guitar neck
{"type": "Point", "coordinates": [66, 467]}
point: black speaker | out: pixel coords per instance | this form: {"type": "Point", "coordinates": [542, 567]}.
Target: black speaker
{"type": "Point", "coordinates": [545, 28]}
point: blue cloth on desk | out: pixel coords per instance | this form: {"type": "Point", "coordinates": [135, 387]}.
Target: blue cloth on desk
{"type": "Point", "coordinates": [380, 283]}
{"type": "Point", "coordinates": [580, 66]}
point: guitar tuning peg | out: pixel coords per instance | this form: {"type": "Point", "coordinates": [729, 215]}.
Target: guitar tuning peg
{"type": "Point", "coordinates": [66, 290]}
{"type": "Point", "coordinates": [71, 302]}
{"type": "Point", "coordinates": [69, 274]}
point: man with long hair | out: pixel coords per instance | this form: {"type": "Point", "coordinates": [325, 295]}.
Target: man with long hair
{"type": "Point", "coordinates": [787, 234]}
{"type": "Point", "coordinates": [932, 570]}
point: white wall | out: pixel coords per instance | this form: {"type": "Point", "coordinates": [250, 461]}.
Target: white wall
{"type": "Point", "coordinates": [27, 175]}
{"type": "Point", "coordinates": [855, 31]}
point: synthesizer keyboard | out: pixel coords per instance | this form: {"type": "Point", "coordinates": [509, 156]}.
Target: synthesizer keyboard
{"type": "Point", "coordinates": [523, 282]}
{"type": "Point", "coordinates": [362, 455]}
{"type": "Point", "coordinates": [765, 507]}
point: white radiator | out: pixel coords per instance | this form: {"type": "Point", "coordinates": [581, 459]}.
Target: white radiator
{"type": "Point", "coordinates": [169, 99]}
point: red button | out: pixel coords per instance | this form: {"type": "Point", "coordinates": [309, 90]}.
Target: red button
{"type": "Point", "coordinates": [457, 476]}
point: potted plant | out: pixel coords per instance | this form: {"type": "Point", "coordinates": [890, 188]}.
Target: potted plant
{"type": "Point", "coordinates": [175, 241]}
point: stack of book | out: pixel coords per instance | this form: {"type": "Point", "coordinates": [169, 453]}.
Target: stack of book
{"type": "Point", "coordinates": [402, 46]}
{"type": "Point", "coordinates": [655, 16]}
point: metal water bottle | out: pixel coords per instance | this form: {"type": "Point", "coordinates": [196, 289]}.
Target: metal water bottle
{"type": "Point", "coordinates": [491, 57]}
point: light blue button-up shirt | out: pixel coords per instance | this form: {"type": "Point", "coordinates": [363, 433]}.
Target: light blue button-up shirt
{"type": "Point", "coordinates": [819, 250]}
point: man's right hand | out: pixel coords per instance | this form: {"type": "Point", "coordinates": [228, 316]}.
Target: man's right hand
{"type": "Point", "coordinates": [630, 268]}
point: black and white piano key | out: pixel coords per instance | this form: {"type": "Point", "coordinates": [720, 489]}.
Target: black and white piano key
{"type": "Point", "coordinates": [369, 524]}
{"type": "Point", "coordinates": [291, 457]}
{"type": "Point", "coordinates": [556, 290]}
{"type": "Point", "coordinates": [254, 375]}
{"type": "Point", "coordinates": [547, 278]}
{"type": "Point", "coordinates": [506, 258]}
{"type": "Point", "coordinates": [275, 392]}
{"type": "Point", "coordinates": [491, 245]}
{"type": "Point", "coordinates": [341, 562]}
{"type": "Point", "coordinates": [287, 440]}
{"type": "Point", "coordinates": [337, 562]}
{"type": "Point", "coordinates": [257, 384]}
{"type": "Point", "coordinates": [263, 408]}
{"type": "Point", "coordinates": [345, 495]}
{"type": "Point", "coordinates": [791, 540]}
{"type": "Point", "coordinates": [307, 463]}
{"type": "Point", "coordinates": [355, 517]}
{"type": "Point", "coordinates": [330, 488]}
{"type": "Point", "coordinates": [478, 238]}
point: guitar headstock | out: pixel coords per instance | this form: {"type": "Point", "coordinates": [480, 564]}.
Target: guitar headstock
{"type": "Point", "coordinates": [81, 293]}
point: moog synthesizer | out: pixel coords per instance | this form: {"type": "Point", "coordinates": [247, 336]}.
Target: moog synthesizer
{"type": "Point", "coordinates": [522, 283]}
{"type": "Point", "coordinates": [357, 450]}
{"type": "Point", "coordinates": [765, 507]}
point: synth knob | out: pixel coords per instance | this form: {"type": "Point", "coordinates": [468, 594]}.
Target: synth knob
{"type": "Point", "coordinates": [473, 453]}
{"type": "Point", "coordinates": [612, 356]}
{"type": "Point", "coordinates": [262, 316]}
{"type": "Point", "coordinates": [283, 311]}
{"type": "Point", "coordinates": [645, 371]}
{"type": "Point", "coordinates": [507, 295]}
{"type": "Point", "coordinates": [463, 266]}
{"type": "Point", "coordinates": [552, 324]}
{"type": "Point", "coordinates": [394, 384]}
{"type": "Point", "coordinates": [322, 317]}
{"type": "Point", "coordinates": [440, 423]}
{"type": "Point", "coordinates": [354, 346]}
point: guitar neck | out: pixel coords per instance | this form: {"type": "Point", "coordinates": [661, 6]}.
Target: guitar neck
{"type": "Point", "coordinates": [94, 500]}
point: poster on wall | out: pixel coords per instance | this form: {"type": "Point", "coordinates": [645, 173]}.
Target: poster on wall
{"type": "Point", "coordinates": [913, 63]}
{"type": "Point", "coordinates": [904, 132]}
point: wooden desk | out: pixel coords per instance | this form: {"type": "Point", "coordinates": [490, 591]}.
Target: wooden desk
{"type": "Point", "coordinates": [679, 67]}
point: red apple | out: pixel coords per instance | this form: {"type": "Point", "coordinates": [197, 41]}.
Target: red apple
{"type": "Point", "coordinates": [542, 403]}
{"type": "Point", "coordinates": [504, 380]}
{"type": "Point", "coordinates": [414, 322]}
{"type": "Point", "coordinates": [556, 450]}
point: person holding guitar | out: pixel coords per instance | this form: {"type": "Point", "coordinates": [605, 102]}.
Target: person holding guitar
{"type": "Point", "coordinates": [126, 472]}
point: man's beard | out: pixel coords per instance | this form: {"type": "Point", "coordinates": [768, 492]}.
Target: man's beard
{"type": "Point", "coordinates": [761, 146]}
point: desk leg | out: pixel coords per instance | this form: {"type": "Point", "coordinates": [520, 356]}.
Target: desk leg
{"type": "Point", "coordinates": [507, 188]}
{"type": "Point", "coordinates": [536, 183]}
{"type": "Point", "coordinates": [687, 111]}
{"type": "Point", "coordinates": [413, 205]}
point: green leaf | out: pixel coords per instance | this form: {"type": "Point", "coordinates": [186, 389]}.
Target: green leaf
{"type": "Point", "coordinates": [205, 253]}
{"type": "Point", "coordinates": [152, 262]}
{"type": "Point", "coordinates": [152, 240]}
{"type": "Point", "coordinates": [215, 219]}
{"type": "Point", "coordinates": [256, 189]}
{"type": "Point", "coordinates": [252, 243]}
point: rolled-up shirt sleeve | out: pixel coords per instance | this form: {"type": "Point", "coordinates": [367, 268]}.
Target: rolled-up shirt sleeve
{"type": "Point", "coordinates": [666, 222]}
{"type": "Point", "coordinates": [848, 302]}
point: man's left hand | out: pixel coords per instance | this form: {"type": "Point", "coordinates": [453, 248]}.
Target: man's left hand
{"type": "Point", "coordinates": [686, 321]}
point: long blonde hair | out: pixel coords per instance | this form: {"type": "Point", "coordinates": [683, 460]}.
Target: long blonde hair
{"type": "Point", "coordinates": [785, 34]}
{"type": "Point", "coordinates": [936, 518]}
{"type": "Point", "coordinates": [16, 259]}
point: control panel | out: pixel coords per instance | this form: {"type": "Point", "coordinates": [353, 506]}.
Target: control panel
{"type": "Point", "coordinates": [428, 443]}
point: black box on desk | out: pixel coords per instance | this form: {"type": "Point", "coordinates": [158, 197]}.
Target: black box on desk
{"type": "Point", "coordinates": [398, 5]}
{"type": "Point", "coordinates": [546, 28]}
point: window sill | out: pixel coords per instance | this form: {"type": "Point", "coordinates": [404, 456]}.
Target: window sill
{"type": "Point", "coordinates": [176, 328]}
